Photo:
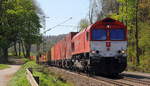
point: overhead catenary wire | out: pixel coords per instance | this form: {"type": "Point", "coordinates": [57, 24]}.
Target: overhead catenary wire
{"type": "Point", "coordinates": [57, 25]}
{"type": "Point", "coordinates": [69, 26]}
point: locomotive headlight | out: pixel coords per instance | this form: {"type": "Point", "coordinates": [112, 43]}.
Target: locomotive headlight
{"type": "Point", "coordinates": [122, 51]}
{"type": "Point", "coordinates": [93, 51]}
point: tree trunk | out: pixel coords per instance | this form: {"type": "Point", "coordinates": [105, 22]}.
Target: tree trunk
{"type": "Point", "coordinates": [136, 35]}
{"type": "Point", "coordinates": [1, 1]}
{"type": "Point", "coordinates": [4, 56]}
{"type": "Point", "coordinates": [5, 50]}
{"type": "Point", "coordinates": [91, 12]}
{"type": "Point", "coordinates": [28, 49]}
{"type": "Point", "coordinates": [38, 52]}
{"type": "Point", "coordinates": [28, 43]}
{"type": "Point", "coordinates": [19, 48]}
{"type": "Point", "coordinates": [1, 56]}
{"type": "Point", "coordinates": [23, 49]}
{"type": "Point", "coordinates": [15, 49]}
{"type": "Point", "coordinates": [126, 12]}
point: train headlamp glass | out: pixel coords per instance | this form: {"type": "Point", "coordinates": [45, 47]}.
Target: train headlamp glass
{"type": "Point", "coordinates": [123, 51]}
{"type": "Point", "coordinates": [93, 51]}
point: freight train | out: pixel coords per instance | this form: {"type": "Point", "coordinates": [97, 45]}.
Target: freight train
{"type": "Point", "coordinates": [99, 48]}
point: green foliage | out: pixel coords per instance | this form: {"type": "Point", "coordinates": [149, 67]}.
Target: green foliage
{"type": "Point", "coordinates": [144, 38]}
{"type": "Point", "coordinates": [4, 66]}
{"type": "Point", "coordinates": [144, 30]}
{"type": "Point", "coordinates": [49, 80]}
{"type": "Point", "coordinates": [84, 23]}
{"type": "Point", "coordinates": [19, 22]}
{"type": "Point", "coordinates": [126, 11]}
{"type": "Point", "coordinates": [144, 67]}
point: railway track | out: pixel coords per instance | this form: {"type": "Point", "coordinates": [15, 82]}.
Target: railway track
{"type": "Point", "coordinates": [111, 81]}
{"type": "Point", "coordinates": [126, 81]}
{"type": "Point", "coordinates": [147, 83]}
{"type": "Point", "coordinates": [105, 81]}
{"type": "Point", "coordinates": [141, 79]}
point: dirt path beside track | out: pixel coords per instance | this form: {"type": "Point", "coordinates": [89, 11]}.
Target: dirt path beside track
{"type": "Point", "coordinates": [7, 74]}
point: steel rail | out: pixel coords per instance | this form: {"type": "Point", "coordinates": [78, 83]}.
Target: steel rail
{"type": "Point", "coordinates": [137, 81]}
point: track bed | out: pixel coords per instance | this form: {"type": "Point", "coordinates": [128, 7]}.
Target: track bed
{"type": "Point", "coordinates": [82, 79]}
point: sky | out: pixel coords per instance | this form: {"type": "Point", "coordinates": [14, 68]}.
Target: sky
{"type": "Point", "coordinates": [59, 11]}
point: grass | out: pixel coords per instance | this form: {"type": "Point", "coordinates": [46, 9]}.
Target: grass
{"type": "Point", "coordinates": [4, 66]}
{"type": "Point", "coordinates": [50, 80]}
{"type": "Point", "coordinates": [46, 78]}
{"type": "Point", "coordinates": [25, 60]}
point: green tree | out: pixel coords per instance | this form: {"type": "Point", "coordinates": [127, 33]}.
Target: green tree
{"type": "Point", "coordinates": [84, 23]}
{"type": "Point", "coordinates": [19, 22]}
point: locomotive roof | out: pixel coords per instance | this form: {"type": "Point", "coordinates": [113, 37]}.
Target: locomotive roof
{"type": "Point", "coordinates": [105, 21]}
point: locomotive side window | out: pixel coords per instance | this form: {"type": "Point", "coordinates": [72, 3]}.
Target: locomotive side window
{"type": "Point", "coordinates": [99, 34]}
{"type": "Point", "coordinates": [117, 34]}
{"type": "Point", "coordinates": [87, 35]}
{"type": "Point", "coordinates": [72, 45]}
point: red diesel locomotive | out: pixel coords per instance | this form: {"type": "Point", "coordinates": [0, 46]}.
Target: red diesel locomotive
{"type": "Point", "coordinates": [99, 48]}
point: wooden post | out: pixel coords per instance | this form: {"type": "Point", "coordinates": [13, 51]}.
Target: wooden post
{"type": "Point", "coordinates": [37, 79]}
{"type": "Point", "coordinates": [33, 81]}
{"type": "Point", "coordinates": [30, 69]}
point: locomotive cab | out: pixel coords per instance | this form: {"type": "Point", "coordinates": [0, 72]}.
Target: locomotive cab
{"type": "Point", "coordinates": [108, 44]}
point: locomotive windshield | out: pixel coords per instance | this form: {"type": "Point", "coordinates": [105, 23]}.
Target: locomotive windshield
{"type": "Point", "coordinates": [99, 34]}
{"type": "Point", "coordinates": [117, 34]}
